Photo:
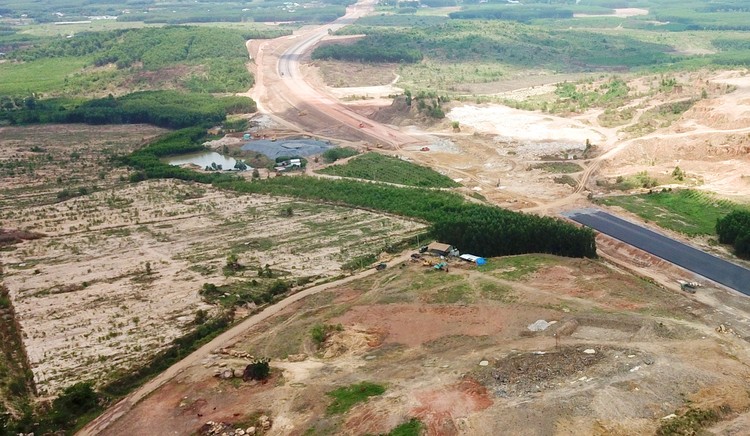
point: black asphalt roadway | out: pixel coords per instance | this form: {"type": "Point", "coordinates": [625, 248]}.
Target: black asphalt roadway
{"type": "Point", "coordinates": [697, 261]}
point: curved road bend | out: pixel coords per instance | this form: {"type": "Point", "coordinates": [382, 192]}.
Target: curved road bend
{"type": "Point", "coordinates": [299, 94]}
{"type": "Point", "coordinates": [692, 259]}
{"type": "Point", "coordinates": [99, 425]}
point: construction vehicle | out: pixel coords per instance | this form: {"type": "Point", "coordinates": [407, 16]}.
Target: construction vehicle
{"type": "Point", "coordinates": [381, 266]}
{"type": "Point", "coordinates": [689, 287]}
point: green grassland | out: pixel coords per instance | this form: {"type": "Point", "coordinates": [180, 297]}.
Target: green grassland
{"type": "Point", "coordinates": [689, 212]}
{"type": "Point", "coordinates": [42, 76]}
{"type": "Point", "coordinates": [380, 168]}
{"type": "Point", "coordinates": [559, 167]}
{"type": "Point", "coordinates": [346, 397]}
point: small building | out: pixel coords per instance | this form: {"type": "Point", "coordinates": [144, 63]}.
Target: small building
{"type": "Point", "coordinates": [295, 162]}
{"type": "Point", "coordinates": [439, 249]}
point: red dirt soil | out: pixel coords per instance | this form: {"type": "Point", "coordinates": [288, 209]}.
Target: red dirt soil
{"type": "Point", "coordinates": [439, 408]}
{"type": "Point", "coordinates": [182, 407]}
{"type": "Point", "coordinates": [415, 324]}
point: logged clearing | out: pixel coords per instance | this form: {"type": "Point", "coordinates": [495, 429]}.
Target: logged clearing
{"type": "Point", "coordinates": [532, 344]}
{"type": "Point", "coordinates": [116, 275]}
{"type": "Point", "coordinates": [699, 121]}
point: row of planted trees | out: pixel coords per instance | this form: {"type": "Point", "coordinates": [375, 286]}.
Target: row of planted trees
{"type": "Point", "coordinates": [481, 229]}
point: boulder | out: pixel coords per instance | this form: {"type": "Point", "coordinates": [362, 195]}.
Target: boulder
{"type": "Point", "coordinates": [297, 357]}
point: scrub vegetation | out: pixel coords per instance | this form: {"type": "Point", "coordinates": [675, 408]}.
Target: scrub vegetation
{"type": "Point", "coordinates": [194, 59]}
{"type": "Point", "coordinates": [380, 168]}
{"type": "Point", "coordinates": [685, 211]}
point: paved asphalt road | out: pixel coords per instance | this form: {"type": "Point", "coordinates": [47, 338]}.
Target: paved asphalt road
{"type": "Point", "coordinates": [699, 262]}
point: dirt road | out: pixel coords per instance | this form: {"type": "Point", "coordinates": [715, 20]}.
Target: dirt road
{"type": "Point", "coordinates": [282, 89]}
{"type": "Point", "coordinates": [225, 339]}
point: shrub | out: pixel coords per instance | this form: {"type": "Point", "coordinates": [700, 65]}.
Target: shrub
{"type": "Point", "coordinates": [318, 333]}
{"type": "Point", "coordinates": [732, 226]}
{"type": "Point", "coordinates": [336, 153]}
{"type": "Point", "coordinates": [258, 369]}
{"type": "Point", "coordinates": [75, 401]}
{"type": "Point", "coordinates": [201, 315]}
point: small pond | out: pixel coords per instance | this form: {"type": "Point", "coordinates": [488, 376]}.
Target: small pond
{"type": "Point", "coordinates": [202, 159]}
{"type": "Point", "coordinates": [287, 147]}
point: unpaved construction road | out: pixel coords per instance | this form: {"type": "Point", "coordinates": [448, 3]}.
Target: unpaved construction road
{"type": "Point", "coordinates": [225, 339]}
{"type": "Point", "coordinates": [282, 89]}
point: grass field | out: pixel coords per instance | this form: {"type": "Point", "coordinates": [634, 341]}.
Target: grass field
{"type": "Point", "coordinates": [374, 166]}
{"type": "Point", "coordinates": [345, 398]}
{"type": "Point", "coordinates": [516, 267]}
{"type": "Point", "coordinates": [689, 212]}
{"type": "Point", "coordinates": [43, 75]}
{"type": "Point", "coordinates": [558, 167]}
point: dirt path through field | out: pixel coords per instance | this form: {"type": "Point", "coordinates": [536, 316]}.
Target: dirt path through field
{"type": "Point", "coordinates": [225, 339]}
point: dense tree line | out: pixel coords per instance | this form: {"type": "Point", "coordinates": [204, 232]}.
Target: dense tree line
{"type": "Point", "coordinates": [734, 229]}
{"type": "Point", "coordinates": [145, 10]}
{"type": "Point", "coordinates": [730, 44]}
{"type": "Point", "coordinates": [401, 20]}
{"type": "Point", "coordinates": [381, 48]}
{"type": "Point", "coordinates": [491, 231]}
{"type": "Point", "coordinates": [336, 153]}
{"type": "Point", "coordinates": [169, 109]}
{"type": "Point", "coordinates": [522, 14]}
{"type": "Point", "coordinates": [156, 47]}
{"type": "Point", "coordinates": [514, 44]}
{"type": "Point", "coordinates": [438, 3]}
{"type": "Point", "coordinates": [265, 12]}
{"type": "Point", "coordinates": [480, 229]}
{"type": "Point", "coordinates": [82, 44]}
{"type": "Point", "coordinates": [367, 53]}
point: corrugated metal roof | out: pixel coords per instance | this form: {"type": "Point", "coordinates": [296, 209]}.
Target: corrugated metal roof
{"type": "Point", "coordinates": [439, 246]}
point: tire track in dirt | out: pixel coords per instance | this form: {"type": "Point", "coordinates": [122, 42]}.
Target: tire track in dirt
{"type": "Point", "coordinates": [98, 425]}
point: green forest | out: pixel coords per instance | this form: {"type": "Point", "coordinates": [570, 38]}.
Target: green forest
{"type": "Point", "coordinates": [545, 34]}
{"type": "Point", "coordinates": [153, 11]}
{"type": "Point", "coordinates": [169, 109]}
{"type": "Point", "coordinates": [503, 42]}
{"type": "Point", "coordinates": [196, 59]}
{"type": "Point", "coordinates": [734, 229]}
{"type": "Point", "coordinates": [480, 229]}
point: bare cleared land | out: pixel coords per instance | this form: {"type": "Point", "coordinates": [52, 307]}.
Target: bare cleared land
{"type": "Point", "coordinates": [459, 351]}
{"type": "Point", "coordinates": [117, 276]}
